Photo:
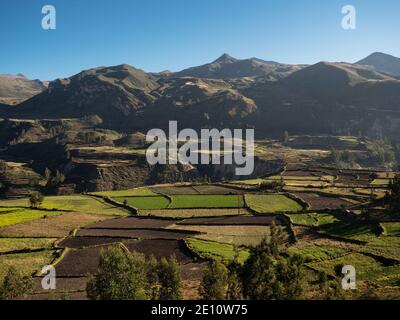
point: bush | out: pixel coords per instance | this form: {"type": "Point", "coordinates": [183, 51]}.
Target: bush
{"type": "Point", "coordinates": [15, 285]}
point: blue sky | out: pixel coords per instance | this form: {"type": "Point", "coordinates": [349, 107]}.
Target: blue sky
{"type": "Point", "coordinates": [156, 35]}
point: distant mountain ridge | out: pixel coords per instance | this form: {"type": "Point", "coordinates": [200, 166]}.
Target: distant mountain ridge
{"type": "Point", "coordinates": [382, 62]}
{"type": "Point", "coordinates": [227, 67]}
{"type": "Point", "coordinates": [322, 98]}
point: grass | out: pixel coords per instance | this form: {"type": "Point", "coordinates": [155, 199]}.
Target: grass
{"type": "Point", "coordinates": [236, 235]}
{"type": "Point", "coordinates": [271, 203]}
{"type": "Point", "coordinates": [51, 227]}
{"type": "Point", "coordinates": [137, 192]}
{"type": "Point", "coordinates": [312, 252]}
{"type": "Point", "coordinates": [351, 230]}
{"type": "Point", "coordinates": [77, 203]}
{"type": "Point", "coordinates": [191, 213]}
{"type": "Point", "coordinates": [312, 219]}
{"type": "Point", "coordinates": [27, 263]}
{"type": "Point", "coordinates": [207, 201]}
{"type": "Point", "coordinates": [12, 216]}
{"type": "Point", "coordinates": [377, 182]}
{"type": "Point", "coordinates": [391, 228]}
{"type": "Point", "coordinates": [365, 266]}
{"type": "Point", "coordinates": [14, 244]}
{"type": "Point", "coordinates": [157, 202]}
{"type": "Point", "coordinates": [212, 249]}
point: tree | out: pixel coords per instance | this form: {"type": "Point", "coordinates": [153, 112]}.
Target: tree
{"type": "Point", "coordinates": [152, 278]}
{"type": "Point", "coordinates": [214, 282]}
{"type": "Point", "coordinates": [169, 277]}
{"type": "Point", "coordinates": [121, 276]}
{"type": "Point", "coordinates": [15, 285]}
{"type": "Point", "coordinates": [36, 199]}
{"type": "Point", "coordinates": [268, 274]}
{"type": "Point", "coordinates": [393, 198]}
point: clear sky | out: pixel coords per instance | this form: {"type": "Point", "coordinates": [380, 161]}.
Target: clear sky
{"type": "Point", "coordinates": [157, 35]}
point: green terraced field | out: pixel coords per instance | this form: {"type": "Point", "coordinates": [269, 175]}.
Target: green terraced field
{"type": "Point", "coordinates": [366, 267]}
{"type": "Point", "coordinates": [211, 249]}
{"type": "Point", "coordinates": [271, 203]}
{"type": "Point", "coordinates": [207, 201]}
{"type": "Point", "coordinates": [76, 203]}
{"type": "Point", "coordinates": [11, 216]}
{"type": "Point", "coordinates": [312, 219]}
{"type": "Point", "coordinates": [311, 252]}
{"type": "Point", "coordinates": [127, 193]}
{"type": "Point", "coordinates": [146, 203]}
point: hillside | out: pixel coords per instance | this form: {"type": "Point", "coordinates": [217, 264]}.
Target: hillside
{"type": "Point", "coordinates": [17, 88]}
{"type": "Point", "coordinates": [382, 62]}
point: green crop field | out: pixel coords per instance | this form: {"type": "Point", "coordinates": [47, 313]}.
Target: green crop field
{"type": "Point", "coordinates": [11, 216]}
{"type": "Point", "coordinates": [15, 244]}
{"type": "Point", "coordinates": [212, 249]}
{"type": "Point", "coordinates": [312, 219]}
{"type": "Point", "coordinates": [351, 230]}
{"type": "Point", "coordinates": [127, 193]}
{"type": "Point", "coordinates": [271, 203]}
{"type": "Point", "coordinates": [157, 202]}
{"type": "Point", "coordinates": [207, 201]}
{"type": "Point", "coordinates": [194, 213]}
{"type": "Point", "coordinates": [77, 203]}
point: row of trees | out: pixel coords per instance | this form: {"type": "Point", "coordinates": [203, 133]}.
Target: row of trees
{"type": "Point", "coordinates": [124, 275]}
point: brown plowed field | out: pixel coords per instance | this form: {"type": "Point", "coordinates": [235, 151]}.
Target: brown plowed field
{"type": "Point", "coordinates": [318, 202]}
{"type": "Point", "coordinates": [132, 223]}
{"type": "Point", "coordinates": [134, 233]}
{"type": "Point", "coordinates": [82, 242]}
{"type": "Point", "coordinates": [162, 249]}
{"type": "Point", "coordinates": [239, 220]}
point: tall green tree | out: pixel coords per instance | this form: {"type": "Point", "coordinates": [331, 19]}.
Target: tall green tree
{"type": "Point", "coordinates": [121, 276]}
{"type": "Point", "coordinates": [214, 282]}
{"type": "Point", "coordinates": [169, 277]}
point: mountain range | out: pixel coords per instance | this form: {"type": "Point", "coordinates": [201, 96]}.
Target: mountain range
{"type": "Point", "coordinates": [269, 96]}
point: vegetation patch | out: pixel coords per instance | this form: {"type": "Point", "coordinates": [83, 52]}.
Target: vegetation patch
{"type": "Point", "coordinates": [271, 203]}
{"type": "Point", "coordinates": [28, 263]}
{"type": "Point", "coordinates": [12, 216]}
{"type": "Point", "coordinates": [366, 266]}
{"type": "Point", "coordinates": [312, 252]}
{"type": "Point", "coordinates": [312, 219]}
{"type": "Point", "coordinates": [137, 192]}
{"type": "Point", "coordinates": [236, 235]}
{"type": "Point", "coordinates": [391, 228]}
{"type": "Point", "coordinates": [157, 202]}
{"type": "Point", "coordinates": [207, 201]}
{"type": "Point", "coordinates": [17, 244]}
{"type": "Point", "coordinates": [193, 213]}
{"type": "Point", "coordinates": [51, 227]}
{"type": "Point", "coordinates": [212, 249]}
